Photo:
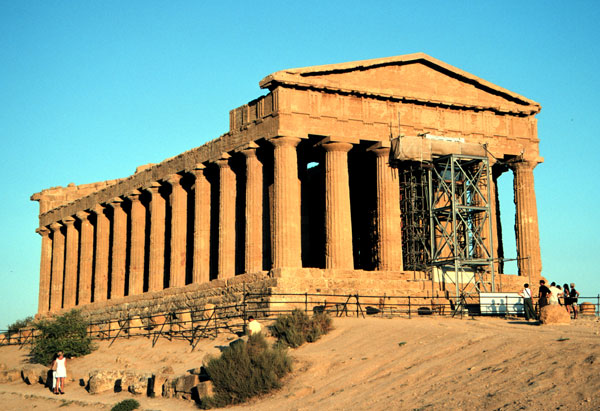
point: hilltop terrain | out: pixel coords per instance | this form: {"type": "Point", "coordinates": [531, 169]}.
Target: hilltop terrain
{"type": "Point", "coordinates": [374, 364]}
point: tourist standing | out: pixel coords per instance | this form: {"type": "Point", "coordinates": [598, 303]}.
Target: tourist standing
{"type": "Point", "coordinates": [567, 298]}
{"type": "Point", "coordinates": [253, 326]}
{"type": "Point", "coordinates": [543, 294]}
{"type": "Point", "coordinates": [573, 295]}
{"type": "Point", "coordinates": [527, 302]}
{"type": "Point", "coordinates": [554, 293]}
{"type": "Point", "coordinates": [59, 368]}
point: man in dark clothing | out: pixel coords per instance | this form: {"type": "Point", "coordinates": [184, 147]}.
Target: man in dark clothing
{"type": "Point", "coordinates": [543, 294]}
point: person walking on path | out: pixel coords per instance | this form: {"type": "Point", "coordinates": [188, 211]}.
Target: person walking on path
{"type": "Point", "coordinates": [573, 294]}
{"type": "Point", "coordinates": [59, 366]}
{"type": "Point", "coordinates": [527, 303]}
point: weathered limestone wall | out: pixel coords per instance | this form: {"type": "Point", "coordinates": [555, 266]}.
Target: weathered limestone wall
{"type": "Point", "coordinates": [193, 296]}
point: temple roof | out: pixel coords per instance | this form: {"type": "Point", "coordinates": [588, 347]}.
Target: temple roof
{"type": "Point", "coordinates": [415, 77]}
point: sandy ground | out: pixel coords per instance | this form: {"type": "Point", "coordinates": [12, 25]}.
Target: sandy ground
{"type": "Point", "coordinates": [375, 364]}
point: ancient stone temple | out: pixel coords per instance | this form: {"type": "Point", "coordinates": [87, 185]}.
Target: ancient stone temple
{"type": "Point", "coordinates": [331, 182]}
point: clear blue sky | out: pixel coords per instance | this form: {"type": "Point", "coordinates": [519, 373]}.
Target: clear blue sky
{"type": "Point", "coordinates": [91, 89]}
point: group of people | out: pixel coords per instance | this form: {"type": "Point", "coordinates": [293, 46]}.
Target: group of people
{"type": "Point", "coordinates": [554, 295]}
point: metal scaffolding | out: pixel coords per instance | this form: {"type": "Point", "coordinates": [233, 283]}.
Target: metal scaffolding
{"type": "Point", "coordinates": [414, 206]}
{"type": "Point", "coordinates": [460, 222]}
{"type": "Point", "coordinates": [446, 219]}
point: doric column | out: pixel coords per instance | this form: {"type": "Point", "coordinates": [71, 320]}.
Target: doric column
{"type": "Point", "coordinates": [119, 249]}
{"type": "Point", "coordinates": [72, 252]}
{"type": "Point", "coordinates": [138, 232]}
{"type": "Point", "coordinates": [338, 220]}
{"type": "Point", "coordinates": [286, 233]}
{"type": "Point", "coordinates": [178, 231]}
{"type": "Point", "coordinates": [101, 260]}
{"type": "Point", "coordinates": [495, 172]}
{"type": "Point", "coordinates": [156, 264]}
{"type": "Point", "coordinates": [227, 196]}
{"type": "Point", "coordinates": [526, 220]}
{"type": "Point", "coordinates": [201, 258]}
{"type": "Point", "coordinates": [45, 270]}
{"type": "Point", "coordinates": [254, 207]}
{"type": "Point", "coordinates": [58, 267]}
{"type": "Point", "coordinates": [86, 258]}
{"type": "Point", "coordinates": [389, 223]}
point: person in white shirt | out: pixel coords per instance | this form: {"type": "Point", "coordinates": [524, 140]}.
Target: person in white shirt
{"type": "Point", "coordinates": [253, 326]}
{"type": "Point", "coordinates": [527, 302]}
{"type": "Point", "coordinates": [554, 292]}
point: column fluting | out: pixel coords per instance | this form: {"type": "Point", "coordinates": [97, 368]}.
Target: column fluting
{"type": "Point", "coordinates": [178, 204]}
{"type": "Point", "coordinates": [71, 259]}
{"type": "Point", "coordinates": [101, 260]}
{"type": "Point", "coordinates": [253, 212]}
{"type": "Point", "coordinates": [156, 263]}
{"type": "Point", "coordinates": [286, 226]}
{"type": "Point", "coordinates": [119, 249]}
{"type": "Point", "coordinates": [201, 257]}
{"type": "Point", "coordinates": [58, 267]}
{"type": "Point", "coordinates": [338, 220]}
{"type": "Point", "coordinates": [86, 259]}
{"type": "Point", "coordinates": [526, 220]}
{"type": "Point", "coordinates": [227, 198]}
{"type": "Point", "coordinates": [138, 233]}
{"type": "Point", "coordinates": [45, 270]}
{"type": "Point", "coordinates": [389, 222]}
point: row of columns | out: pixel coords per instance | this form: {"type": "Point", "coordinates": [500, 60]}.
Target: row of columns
{"type": "Point", "coordinates": [66, 269]}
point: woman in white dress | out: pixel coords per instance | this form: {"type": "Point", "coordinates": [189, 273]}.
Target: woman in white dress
{"type": "Point", "coordinates": [60, 367]}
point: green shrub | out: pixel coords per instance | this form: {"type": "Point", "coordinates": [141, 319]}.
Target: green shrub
{"type": "Point", "coordinates": [293, 330]}
{"type": "Point", "coordinates": [126, 405]}
{"type": "Point", "coordinates": [17, 325]}
{"type": "Point", "coordinates": [244, 370]}
{"type": "Point", "coordinates": [67, 333]}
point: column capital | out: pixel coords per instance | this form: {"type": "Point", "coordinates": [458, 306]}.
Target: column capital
{"type": "Point", "coordinates": [284, 141]}
{"type": "Point", "coordinates": [521, 165]}
{"type": "Point", "coordinates": [379, 150]}
{"type": "Point", "coordinates": [223, 161]}
{"type": "Point", "coordinates": [43, 231]}
{"type": "Point", "coordinates": [55, 226]}
{"type": "Point", "coordinates": [134, 195]}
{"type": "Point", "coordinates": [98, 209]}
{"type": "Point", "coordinates": [248, 149]}
{"type": "Point", "coordinates": [337, 146]}
{"type": "Point", "coordinates": [82, 215]}
{"type": "Point", "coordinates": [153, 187]}
{"type": "Point", "coordinates": [174, 179]}
{"type": "Point", "coordinates": [115, 202]}
{"type": "Point", "coordinates": [68, 221]}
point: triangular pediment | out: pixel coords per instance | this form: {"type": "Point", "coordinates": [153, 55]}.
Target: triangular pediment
{"type": "Point", "coordinates": [416, 77]}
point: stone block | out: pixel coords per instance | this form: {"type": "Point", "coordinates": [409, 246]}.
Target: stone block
{"type": "Point", "coordinates": [156, 384]}
{"type": "Point", "coordinates": [203, 389]}
{"type": "Point", "coordinates": [10, 375]}
{"type": "Point", "coordinates": [103, 381]}
{"type": "Point", "coordinates": [34, 373]}
{"type": "Point", "coordinates": [185, 383]}
{"type": "Point", "coordinates": [554, 314]}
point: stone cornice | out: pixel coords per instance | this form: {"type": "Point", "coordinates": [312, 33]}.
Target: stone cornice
{"type": "Point", "coordinates": [304, 78]}
{"type": "Point", "coordinates": [184, 162]}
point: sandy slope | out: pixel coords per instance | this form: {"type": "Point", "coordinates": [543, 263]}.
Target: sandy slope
{"type": "Point", "coordinates": [380, 364]}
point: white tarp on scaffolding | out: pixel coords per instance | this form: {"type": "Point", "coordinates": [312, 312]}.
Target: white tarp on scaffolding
{"type": "Point", "coordinates": [500, 303]}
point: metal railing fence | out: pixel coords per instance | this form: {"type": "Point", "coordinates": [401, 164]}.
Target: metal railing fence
{"type": "Point", "coordinates": [209, 321]}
